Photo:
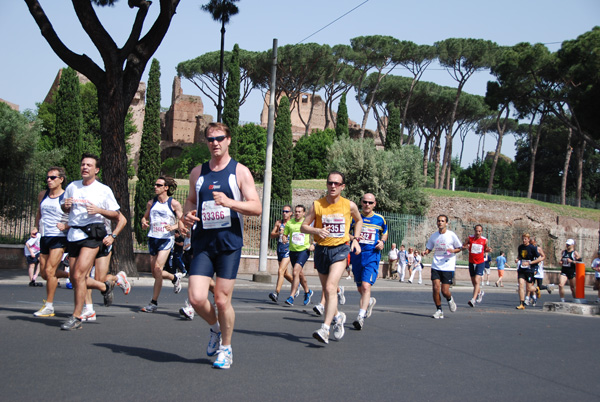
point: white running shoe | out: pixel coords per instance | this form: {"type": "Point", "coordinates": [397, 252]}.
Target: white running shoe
{"type": "Point", "coordinates": [341, 297]}
{"type": "Point", "coordinates": [297, 292]}
{"type": "Point", "coordinates": [321, 335]}
{"type": "Point", "coordinates": [187, 312]}
{"type": "Point", "coordinates": [338, 327]}
{"type": "Point", "coordinates": [214, 343]}
{"type": "Point", "coordinates": [438, 315]}
{"type": "Point", "coordinates": [88, 315]}
{"type": "Point", "coordinates": [452, 306]}
{"type": "Point", "coordinates": [319, 309]}
{"type": "Point", "coordinates": [527, 302]}
{"type": "Point", "coordinates": [45, 311]}
{"type": "Point", "coordinates": [372, 302]}
{"type": "Point", "coordinates": [177, 284]}
{"type": "Point", "coordinates": [480, 296]}
{"type": "Point", "coordinates": [123, 283]}
{"type": "Point", "coordinates": [224, 359]}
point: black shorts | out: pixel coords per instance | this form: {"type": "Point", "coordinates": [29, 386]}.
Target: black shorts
{"type": "Point", "coordinates": [104, 251]}
{"type": "Point", "coordinates": [446, 277]}
{"type": "Point", "coordinates": [33, 259]}
{"type": "Point", "coordinates": [224, 263]}
{"type": "Point", "coordinates": [569, 272]}
{"type": "Point", "coordinates": [74, 247]}
{"type": "Point", "coordinates": [476, 269]}
{"type": "Point", "coordinates": [299, 257]}
{"type": "Point", "coordinates": [48, 243]}
{"type": "Point", "coordinates": [326, 256]}
{"type": "Point", "coordinates": [527, 274]}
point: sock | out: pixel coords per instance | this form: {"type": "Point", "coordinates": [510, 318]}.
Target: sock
{"type": "Point", "coordinates": [448, 298]}
{"type": "Point", "coordinates": [174, 280]}
{"type": "Point", "coordinates": [49, 305]}
{"type": "Point", "coordinates": [534, 297]}
{"type": "Point", "coordinates": [154, 302]}
{"type": "Point", "coordinates": [522, 303]}
{"type": "Point", "coordinates": [89, 307]}
{"type": "Point", "coordinates": [216, 327]}
{"type": "Point", "coordinates": [227, 347]}
{"type": "Point", "coordinates": [362, 312]}
{"type": "Point", "coordinates": [325, 327]}
{"type": "Point", "coordinates": [439, 307]}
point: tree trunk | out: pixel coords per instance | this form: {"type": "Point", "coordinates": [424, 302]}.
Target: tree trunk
{"type": "Point", "coordinates": [580, 152]}
{"type": "Point", "coordinates": [533, 147]}
{"type": "Point", "coordinates": [563, 184]}
{"type": "Point", "coordinates": [501, 130]}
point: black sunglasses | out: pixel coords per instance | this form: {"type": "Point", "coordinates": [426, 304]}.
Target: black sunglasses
{"type": "Point", "coordinates": [334, 183]}
{"type": "Point", "coordinates": [213, 139]}
{"type": "Point", "coordinates": [158, 185]}
{"type": "Point", "coordinates": [52, 177]}
{"type": "Point", "coordinates": [368, 202]}
{"type": "Point", "coordinates": [285, 211]}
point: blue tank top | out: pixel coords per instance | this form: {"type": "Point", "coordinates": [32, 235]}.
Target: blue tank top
{"type": "Point", "coordinates": [220, 228]}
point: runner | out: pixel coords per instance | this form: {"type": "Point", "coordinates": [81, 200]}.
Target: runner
{"type": "Point", "coordinates": [567, 272]}
{"type": "Point", "coordinates": [528, 260]}
{"type": "Point", "coordinates": [221, 191]}
{"type": "Point", "coordinates": [332, 216]}
{"type": "Point", "coordinates": [365, 265]}
{"type": "Point", "coordinates": [478, 248]}
{"type": "Point", "coordinates": [283, 253]}
{"type": "Point", "coordinates": [445, 244]}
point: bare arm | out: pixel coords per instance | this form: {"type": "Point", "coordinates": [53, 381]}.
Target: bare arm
{"type": "Point", "coordinates": [275, 231]}
{"type": "Point", "coordinates": [250, 205]}
{"type": "Point", "coordinates": [121, 222]}
{"type": "Point", "coordinates": [145, 222]}
{"type": "Point", "coordinates": [354, 246]}
{"type": "Point", "coordinates": [38, 214]}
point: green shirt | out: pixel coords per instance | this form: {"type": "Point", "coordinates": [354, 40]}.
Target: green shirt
{"type": "Point", "coordinates": [298, 241]}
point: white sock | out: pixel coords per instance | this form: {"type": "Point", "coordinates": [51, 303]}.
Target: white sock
{"type": "Point", "coordinates": [89, 307]}
{"type": "Point", "coordinates": [362, 313]}
{"type": "Point", "coordinates": [227, 347]}
{"type": "Point", "coordinates": [216, 327]}
{"type": "Point", "coordinates": [325, 327]}
{"type": "Point", "coordinates": [49, 305]}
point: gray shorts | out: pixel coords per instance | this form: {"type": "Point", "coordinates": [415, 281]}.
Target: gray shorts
{"type": "Point", "coordinates": [326, 256]}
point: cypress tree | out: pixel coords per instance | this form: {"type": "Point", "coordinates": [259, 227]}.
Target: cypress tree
{"type": "Point", "coordinates": [69, 123]}
{"type": "Point", "coordinates": [149, 164]}
{"type": "Point", "coordinates": [392, 136]}
{"type": "Point", "coordinates": [231, 114]}
{"type": "Point", "coordinates": [341, 124]}
{"type": "Point", "coordinates": [283, 165]}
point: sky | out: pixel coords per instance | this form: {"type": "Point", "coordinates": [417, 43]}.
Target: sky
{"type": "Point", "coordinates": [29, 66]}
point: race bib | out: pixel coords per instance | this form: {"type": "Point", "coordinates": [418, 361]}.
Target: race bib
{"type": "Point", "coordinates": [298, 239]}
{"type": "Point", "coordinates": [476, 248]}
{"type": "Point", "coordinates": [337, 225]}
{"type": "Point", "coordinates": [525, 263]}
{"type": "Point", "coordinates": [440, 249]}
{"type": "Point", "coordinates": [215, 216]}
{"type": "Point", "coordinates": [159, 227]}
{"type": "Point", "coordinates": [368, 235]}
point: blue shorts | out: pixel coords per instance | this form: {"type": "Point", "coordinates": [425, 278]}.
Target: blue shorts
{"type": "Point", "coordinates": [446, 277]}
{"type": "Point", "coordinates": [476, 269]}
{"type": "Point", "coordinates": [32, 259]}
{"type": "Point", "coordinates": [365, 267]}
{"type": "Point", "coordinates": [48, 243]}
{"type": "Point", "coordinates": [156, 245]}
{"type": "Point", "coordinates": [224, 263]}
{"type": "Point", "coordinates": [283, 251]}
{"type": "Point", "coordinates": [326, 256]}
{"type": "Point", "coordinates": [299, 257]}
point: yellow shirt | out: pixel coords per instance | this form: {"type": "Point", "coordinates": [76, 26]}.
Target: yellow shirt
{"type": "Point", "coordinates": [337, 216]}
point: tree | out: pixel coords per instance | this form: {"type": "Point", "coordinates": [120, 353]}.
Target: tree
{"type": "Point", "coordinates": [221, 10]}
{"type": "Point", "coordinates": [252, 148]}
{"type": "Point", "coordinates": [311, 155]}
{"type": "Point", "coordinates": [182, 165]}
{"type": "Point", "coordinates": [69, 123]}
{"type": "Point", "coordinates": [149, 163]}
{"type": "Point", "coordinates": [231, 114]}
{"type": "Point", "coordinates": [116, 84]}
{"type": "Point", "coordinates": [393, 136]}
{"type": "Point", "coordinates": [283, 162]}
{"type": "Point", "coordinates": [341, 125]}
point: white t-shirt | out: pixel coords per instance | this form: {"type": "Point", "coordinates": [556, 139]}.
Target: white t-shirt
{"type": "Point", "coordinates": [34, 243]}
{"type": "Point", "coordinates": [95, 193]}
{"type": "Point", "coordinates": [393, 254]}
{"type": "Point", "coordinates": [439, 243]}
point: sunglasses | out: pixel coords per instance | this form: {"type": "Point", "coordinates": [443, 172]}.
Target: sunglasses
{"type": "Point", "coordinates": [213, 139]}
{"type": "Point", "coordinates": [158, 185]}
{"type": "Point", "coordinates": [51, 177]}
{"type": "Point", "coordinates": [334, 183]}
{"type": "Point", "coordinates": [368, 202]}
{"type": "Point", "coordinates": [285, 211]}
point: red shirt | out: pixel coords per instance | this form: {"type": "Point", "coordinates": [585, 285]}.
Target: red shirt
{"type": "Point", "coordinates": [477, 249]}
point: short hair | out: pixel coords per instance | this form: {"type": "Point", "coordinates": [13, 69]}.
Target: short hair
{"type": "Point", "coordinates": [476, 226]}
{"type": "Point", "coordinates": [339, 173]}
{"type": "Point", "coordinates": [526, 235]}
{"type": "Point", "coordinates": [171, 183]}
{"type": "Point", "coordinates": [60, 170]}
{"type": "Point", "coordinates": [217, 127]}
{"type": "Point", "coordinates": [300, 206]}
{"type": "Point", "coordinates": [444, 216]}
{"type": "Point", "coordinates": [91, 156]}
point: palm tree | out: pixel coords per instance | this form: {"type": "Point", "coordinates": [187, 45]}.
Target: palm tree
{"type": "Point", "coordinates": [221, 10]}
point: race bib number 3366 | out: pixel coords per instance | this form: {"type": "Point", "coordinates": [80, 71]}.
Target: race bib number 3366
{"type": "Point", "coordinates": [215, 216]}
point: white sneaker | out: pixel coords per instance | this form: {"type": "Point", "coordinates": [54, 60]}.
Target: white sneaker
{"type": "Point", "coordinates": [123, 283]}
{"type": "Point", "coordinates": [177, 284]}
{"type": "Point", "coordinates": [45, 311]}
{"type": "Point", "coordinates": [452, 306]}
{"type": "Point", "coordinates": [372, 302]}
{"type": "Point", "coordinates": [338, 327]}
{"type": "Point", "coordinates": [439, 314]}
{"type": "Point", "coordinates": [187, 312]}
{"type": "Point", "coordinates": [319, 309]}
{"type": "Point", "coordinates": [321, 335]}
{"type": "Point", "coordinates": [297, 292]}
{"type": "Point", "coordinates": [88, 315]}
{"type": "Point", "coordinates": [224, 359]}
{"type": "Point", "coordinates": [480, 296]}
{"type": "Point", "coordinates": [527, 302]}
{"type": "Point", "coordinates": [341, 297]}
{"type": "Point", "coordinates": [214, 343]}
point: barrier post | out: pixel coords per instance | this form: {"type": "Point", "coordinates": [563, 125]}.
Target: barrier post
{"type": "Point", "coordinates": [580, 283]}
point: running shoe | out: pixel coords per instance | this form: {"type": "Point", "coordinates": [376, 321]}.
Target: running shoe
{"type": "Point", "coordinates": [538, 292]}
{"type": "Point", "coordinates": [224, 359]}
{"type": "Point", "coordinates": [274, 296]}
{"type": "Point", "coordinates": [471, 303]}
{"type": "Point", "coordinates": [187, 312]}
{"type": "Point", "coordinates": [69, 285]}
{"type": "Point", "coordinates": [533, 302]}
{"type": "Point", "coordinates": [45, 311]}
{"type": "Point", "coordinates": [321, 335]}
{"type": "Point", "coordinates": [480, 296]}
{"type": "Point", "coordinates": [562, 300]}
{"type": "Point", "coordinates": [150, 308]}
{"type": "Point", "coordinates": [338, 327]}
{"type": "Point", "coordinates": [520, 307]}
{"type": "Point", "coordinates": [341, 297]}
{"type": "Point", "coordinates": [438, 315]}
{"type": "Point", "coordinates": [32, 283]}
{"type": "Point", "coordinates": [87, 315]}
{"type": "Point", "coordinates": [550, 288]}
{"type": "Point", "coordinates": [409, 281]}
{"type": "Point", "coordinates": [108, 293]}
{"type": "Point", "coordinates": [307, 297]}
{"type": "Point", "coordinates": [214, 343]}
{"type": "Point", "coordinates": [527, 302]}
{"type": "Point", "coordinates": [123, 283]}
{"type": "Point", "coordinates": [71, 324]}
{"type": "Point", "coordinates": [177, 283]}
{"type": "Point", "coordinates": [372, 302]}
{"type": "Point", "coordinates": [319, 309]}
{"type": "Point", "coordinates": [452, 305]}
{"type": "Point", "coordinates": [290, 301]}
{"type": "Point", "coordinates": [359, 323]}
{"type": "Point", "coordinates": [297, 292]}
{"type": "Point", "coordinates": [487, 283]}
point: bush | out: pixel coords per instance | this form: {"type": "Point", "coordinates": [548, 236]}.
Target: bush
{"type": "Point", "coordinates": [311, 155]}
{"type": "Point", "coordinates": [181, 166]}
{"type": "Point", "coordinates": [251, 149]}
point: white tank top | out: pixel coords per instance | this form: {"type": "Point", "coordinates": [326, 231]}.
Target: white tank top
{"type": "Point", "coordinates": [52, 214]}
{"type": "Point", "coordinates": [161, 216]}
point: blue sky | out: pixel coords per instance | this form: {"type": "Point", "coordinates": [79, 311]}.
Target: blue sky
{"type": "Point", "coordinates": [29, 66]}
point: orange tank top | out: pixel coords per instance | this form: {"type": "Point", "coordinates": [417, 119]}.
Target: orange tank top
{"type": "Point", "coordinates": [337, 216]}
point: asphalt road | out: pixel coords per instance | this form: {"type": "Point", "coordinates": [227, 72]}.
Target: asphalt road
{"type": "Point", "coordinates": [490, 352]}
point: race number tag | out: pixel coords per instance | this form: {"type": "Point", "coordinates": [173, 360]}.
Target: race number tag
{"type": "Point", "coordinates": [368, 235]}
{"type": "Point", "coordinates": [525, 263]}
{"type": "Point", "coordinates": [476, 248]}
{"type": "Point", "coordinates": [215, 216]}
{"type": "Point", "coordinates": [159, 227]}
{"type": "Point", "coordinates": [441, 249]}
{"type": "Point", "coordinates": [298, 238]}
{"type": "Point", "coordinates": [337, 225]}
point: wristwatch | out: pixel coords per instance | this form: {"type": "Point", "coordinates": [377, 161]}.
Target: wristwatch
{"type": "Point", "coordinates": [114, 236]}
